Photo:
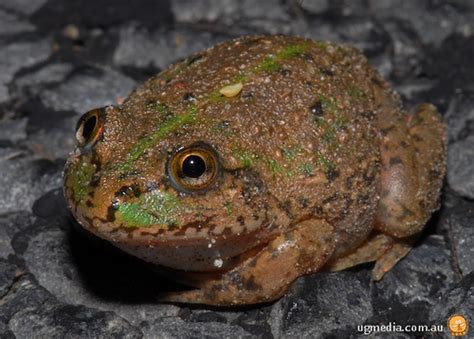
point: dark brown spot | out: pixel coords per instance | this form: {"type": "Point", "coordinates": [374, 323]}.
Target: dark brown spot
{"type": "Point", "coordinates": [387, 130]}
{"type": "Point", "coordinates": [247, 95]}
{"type": "Point", "coordinates": [250, 284]}
{"type": "Point", "coordinates": [326, 71]}
{"type": "Point", "coordinates": [332, 174]}
{"type": "Point", "coordinates": [189, 97]}
{"type": "Point", "coordinates": [194, 58]}
{"type": "Point", "coordinates": [317, 211]}
{"type": "Point", "coordinates": [303, 202]}
{"type": "Point", "coordinates": [307, 56]}
{"type": "Point", "coordinates": [241, 220]}
{"type": "Point", "coordinates": [128, 191]}
{"type": "Point", "coordinates": [286, 207]}
{"type": "Point", "coordinates": [395, 161]}
{"type": "Point", "coordinates": [111, 213]}
{"type": "Point", "coordinates": [404, 144]}
{"type": "Point", "coordinates": [349, 182]}
{"type": "Point", "coordinates": [285, 72]}
{"type": "Point", "coordinates": [316, 109]}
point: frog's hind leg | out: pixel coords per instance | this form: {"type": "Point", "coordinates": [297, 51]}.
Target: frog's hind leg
{"type": "Point", "coordinates": [384, 249]}
{"type": "Point", "coordinates": [413, 164]}
{"type": "Point", "coordinates": [267, 275]}
{"type": "Point", "coordinates": [413, 167]}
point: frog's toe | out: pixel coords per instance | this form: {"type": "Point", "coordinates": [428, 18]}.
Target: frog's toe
{"type": "Point", "coordinates": [385, 250]}
{"type": "Point", "coordinates": [394, 254]}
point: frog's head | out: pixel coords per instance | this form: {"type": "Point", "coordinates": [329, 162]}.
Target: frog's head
{"type": "Point", "coordinates": [163, 190]}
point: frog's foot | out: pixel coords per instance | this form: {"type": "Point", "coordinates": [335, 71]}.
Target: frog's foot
{"type": "Point", "coordinates": [266, 276]}
{"type": "Point", "coordinates": [385, 250]}
{"type": "Point", "coordinates": [413, 166]}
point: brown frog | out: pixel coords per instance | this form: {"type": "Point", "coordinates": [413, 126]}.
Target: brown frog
{"type": "Point", "coordinates": [262, 159]}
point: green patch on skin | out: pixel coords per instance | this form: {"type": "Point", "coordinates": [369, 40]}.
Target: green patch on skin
{"type": "Point", "coordinates": [328, 103]}
{"type": "Point", "coordinates": [324, 162]}
{"type": "Point", "coordinates": [307, 169]}
{"type": "Point", "coordinates": [228, 207]}
{"type": "Point", "coordinates": [239, 78]}
{"type": "Point", "coordinates": [157, 208]}
{"type": "Point", "coordinates": [355, 91]}
{"type": "Point", "coordinates": [292, 153]}
{"type": "Point", "coordinates": [79, 180]}
{"type": "Point", "coordinates": [215, 96]}
{"type": "Point", "coordinates": [292, 51]}
{"type": "Point", "coordinates": [269, 64]}
{"type": "Point", "coordinates": [170, 125]}
{"type": "Point", "coordinates": [159, 108]}
{"type": "Point", "coordinates": [273, 63]}
{"type": "Point", "coordinates": [274, 166]}
{"type": "Point", "coordinates": [340, 122]}
{"type": "Point", "coordinates": [246, 158]}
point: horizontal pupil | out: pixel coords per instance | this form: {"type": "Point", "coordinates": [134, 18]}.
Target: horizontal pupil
{"type": "Point", "coordinates": [193, 166]}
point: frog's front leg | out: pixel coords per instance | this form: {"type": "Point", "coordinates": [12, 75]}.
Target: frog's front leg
{"type": "Point", "coordinates": [267, 275]}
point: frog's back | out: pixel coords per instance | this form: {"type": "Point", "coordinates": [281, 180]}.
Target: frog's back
{"type": "Point", "coordinates": [297, 112]}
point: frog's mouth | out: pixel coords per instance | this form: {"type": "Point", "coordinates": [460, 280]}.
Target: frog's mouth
{"type": "Point", "coordinates": [196, 246]}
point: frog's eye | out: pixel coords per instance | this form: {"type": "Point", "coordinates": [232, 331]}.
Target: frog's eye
{"type": "Point", "coordinates": [89, 127]}
{"type": "Point", "coordinates": [193, 169]}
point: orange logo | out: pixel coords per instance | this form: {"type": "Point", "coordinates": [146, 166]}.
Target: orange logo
{"type": "Point", "coordinates": [458, 325]}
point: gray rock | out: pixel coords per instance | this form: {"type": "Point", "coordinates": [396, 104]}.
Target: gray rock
{"type": "Point", "coordinates": [207, 10]}
{"type": "Point", "coordinates": [7, 275]}
{"type": "Point", "coordinates": [461, 167]}
{"type": "Point", "coordinates": [23, 6]}
{"type": "Point", "coordinates": [315, 6]}
{"type": "Point", "coordinates": [87, 91]}
{"type": "Point", "coordinates": [55, 143]}
{"type": "Point", "coordinates": [324, 302]}
{"type": "Point", "coordinates": [5, 244]}
{"type": "Point", "coordinates": [13, 130]}
{"type": "Point", "coordinates": [444, 19]}
{"type": "Point", "coordinates": [409, 289]}
{"type": "Point", "coordinates": [5, 332]}
{"type": "Point", "coordinates": [10, 225]}
{"type": "Point", "coordinates": [24, 294]}
{"type": "Point", "coordinates": [177, 328]}
{"type": "Point", "coordinates": [26, 179]}
{"type": "Point", "coordinates": [459, 113]}
{"type": "Point", "coordinates": [51, 258]}
{"type": "Point", "coordinates": [16, 56]}
{"type": "Point", "coordinates": [10, 24]}
{"type": "Point", "coordinates": [461, 234]}
{"type": "Point", "coordinates": [226, 11]}
{"type": "Point", "coordinates": [141, 48]}
{"type": "Point", "coordinates": [52, 73]}
{"type": "Point", "coordinates": [459, 300]}
{"type": "Point", "coordinates": [51, 320]}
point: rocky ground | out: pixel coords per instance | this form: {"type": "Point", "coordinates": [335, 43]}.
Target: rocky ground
{"type": "Point", "coordinates": [61, 58]}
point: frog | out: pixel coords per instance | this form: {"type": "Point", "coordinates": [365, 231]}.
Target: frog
{"type": "Point", "coordinates": [245, 166]}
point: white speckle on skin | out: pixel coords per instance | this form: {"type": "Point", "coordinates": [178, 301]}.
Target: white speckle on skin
{"type": "Point", "coordinates": [218, 262]}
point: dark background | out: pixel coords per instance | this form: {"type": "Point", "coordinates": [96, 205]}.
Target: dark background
{"type": "Point", "coordinates": [60, 58]}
